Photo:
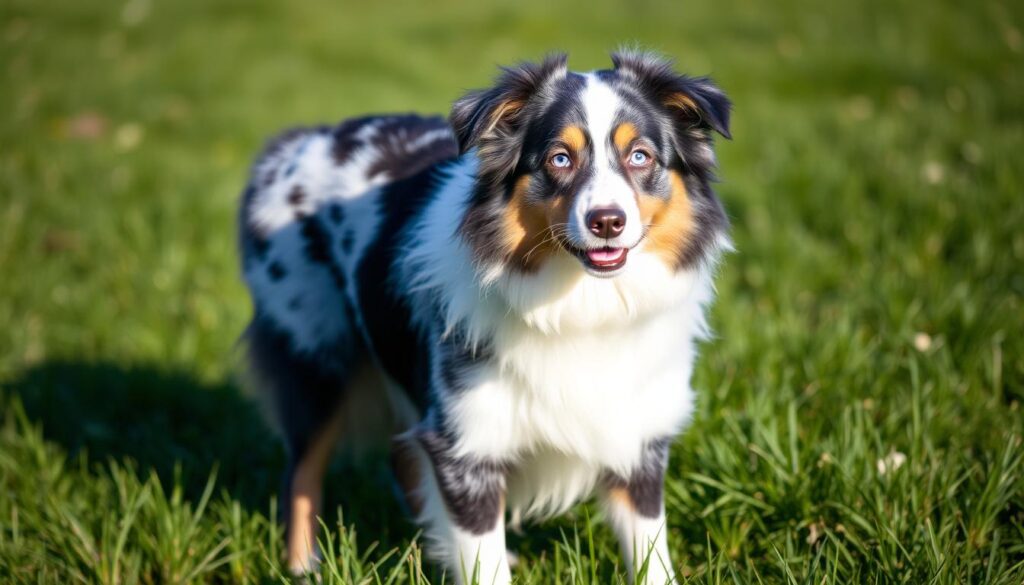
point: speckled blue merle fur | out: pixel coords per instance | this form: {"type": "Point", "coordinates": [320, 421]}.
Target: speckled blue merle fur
{"type": "Point", "coordinates": [524, 283]}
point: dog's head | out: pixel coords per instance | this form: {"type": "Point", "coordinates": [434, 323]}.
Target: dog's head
{"type": "Point", "coordinates": [604, 166]}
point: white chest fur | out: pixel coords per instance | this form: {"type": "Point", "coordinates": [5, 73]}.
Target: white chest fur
{"type": "Point", "coordinates": [598, 395]}
{"type": "Point", "coordinates": [567, 408]}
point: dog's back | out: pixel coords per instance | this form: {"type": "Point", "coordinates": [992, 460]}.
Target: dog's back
{"type": "Point", "coordinates": [306, 214]}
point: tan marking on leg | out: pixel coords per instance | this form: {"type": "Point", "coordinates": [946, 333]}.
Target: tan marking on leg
{"type": "Point", "coordinates": [620, 496]}
{"type": "Point", "coordinates": [531, 227]}
{"type": "Point", "coordinates": [307, 494]}
{"type": "Point", "coordinates": [671, 222]}
{"type": "Point", "coordinates": [624, 135]}
{"type": "Point", "coordinates": [405, 464]}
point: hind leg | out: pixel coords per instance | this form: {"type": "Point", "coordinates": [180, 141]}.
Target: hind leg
{"type": "Point", "coordinates": [304, 394]}
{"type": "Point", "coordinates": [296, 232]}
{"type": "Point", "coordinates": [304, 484]}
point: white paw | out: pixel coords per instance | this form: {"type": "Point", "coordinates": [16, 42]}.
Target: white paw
{"type": "Point", "coordinates": [657, 575]}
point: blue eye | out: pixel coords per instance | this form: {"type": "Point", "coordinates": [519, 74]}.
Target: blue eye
{"type": "Point", "coordinates": [561, 161]}
{"type": "Point", "coordinates": [639, 158]}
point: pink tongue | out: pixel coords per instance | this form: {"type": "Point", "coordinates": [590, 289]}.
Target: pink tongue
{"type": "Point", "coordinates": [605, 254]}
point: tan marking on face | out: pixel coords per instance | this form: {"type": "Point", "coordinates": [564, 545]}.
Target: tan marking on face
{"type": "Point", "coordinates": [516, 225]}
{"type": "Point", "coordinates": [574, 138]}
{"type": "Point", "coordinates": [624, 134]}
{"type": "Point", "coordinates": [530, 227]}
{"type": "Point", "coordinates": [671, 221]}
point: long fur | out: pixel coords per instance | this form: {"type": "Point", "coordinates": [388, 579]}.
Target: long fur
{"type": "Point", "coordinates": [468, 270]}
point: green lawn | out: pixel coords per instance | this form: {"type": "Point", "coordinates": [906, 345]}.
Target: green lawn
{"type": "Point", "coordinates": [873, 313]}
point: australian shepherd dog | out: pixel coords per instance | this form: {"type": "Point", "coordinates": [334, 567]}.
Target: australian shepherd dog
{"type": "Point", "coordinates": [525, 282]}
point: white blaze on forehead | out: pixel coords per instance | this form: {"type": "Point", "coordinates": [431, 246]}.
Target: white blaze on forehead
{"type": "Point", "coordinates": [600, 103]}
{"type": "Point", "coordinates": [607, 186]}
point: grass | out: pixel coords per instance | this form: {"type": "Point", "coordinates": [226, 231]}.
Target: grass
{"type": "Point", "coordinates": [859, 418]}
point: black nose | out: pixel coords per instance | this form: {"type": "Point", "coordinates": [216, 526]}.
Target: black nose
{"type": "Point", "coordinates": [606, 222]}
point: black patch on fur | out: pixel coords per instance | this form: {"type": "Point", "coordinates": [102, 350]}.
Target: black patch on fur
{"type": "Point", "coordinates": [472, 489]}
{"type": "Point", "coordinates": [709, 220]}
{"type": "Point", "coordinates": [402, 352]}
{"type": "Point", "coordinates": [336, 213]}
{"type": "Point", "coordinates": [393, 139]}
{"type": "Point", "coordinates": [347, 241]}
{"type": "Point", "coordinates": [396, 151]}
{"type": "Point", "coordinates": [295, 303]}
{"type": "Point", "coordinates": [345, 140]}
{"type": "Point", "coordinates": [260, 247]}
{"type": "Point", "coordinates": [276, 271]}
{"type": "Point", "coordinates": [646, 485]}
{"type": "Point", "coordinates": [318, 249]}
{"type": "Point", "coordinates": [297, 195]}
{"type": "Point", "coordinates": [317, 240]}
{"type": "Point", "coordinates": [482, 225]}
{"type": "Point", "coordinates": [459, 357]}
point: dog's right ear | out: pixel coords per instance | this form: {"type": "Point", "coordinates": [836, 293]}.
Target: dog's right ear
{"type": "Point", "coordinates": [492, 119]}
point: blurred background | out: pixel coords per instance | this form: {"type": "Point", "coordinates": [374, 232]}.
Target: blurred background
{"type": "Point", "coordinates": [859, 417]}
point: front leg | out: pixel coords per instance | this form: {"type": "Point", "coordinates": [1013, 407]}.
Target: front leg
{"type": "Point", "coordinates": [463, 509]}
{"type": "Point", "coordinates": [635, 507]}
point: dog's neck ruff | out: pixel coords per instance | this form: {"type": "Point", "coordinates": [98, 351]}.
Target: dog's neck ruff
{"type": "Point", "coordinates": [442, 279]}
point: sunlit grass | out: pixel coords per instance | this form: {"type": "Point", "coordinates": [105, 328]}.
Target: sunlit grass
{"type": "Point", "coordinates": [859, 414]}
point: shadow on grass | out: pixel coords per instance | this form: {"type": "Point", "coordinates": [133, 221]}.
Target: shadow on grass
{"type": "Point", "coordinates": [166, 421]}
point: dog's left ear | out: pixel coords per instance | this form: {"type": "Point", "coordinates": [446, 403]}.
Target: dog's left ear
{"type": "Point", "coordinates": [695, 102]}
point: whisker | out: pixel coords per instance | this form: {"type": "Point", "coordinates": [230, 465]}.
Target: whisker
{"type": "Point", "coordinates": [542, 242]}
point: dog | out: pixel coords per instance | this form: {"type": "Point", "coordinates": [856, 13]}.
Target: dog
{"type": "Point", "coordinates": [525, 282]}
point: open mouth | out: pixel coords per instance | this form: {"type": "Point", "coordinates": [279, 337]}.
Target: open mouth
{"type": "Point", "coordinates": [606, 259]}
